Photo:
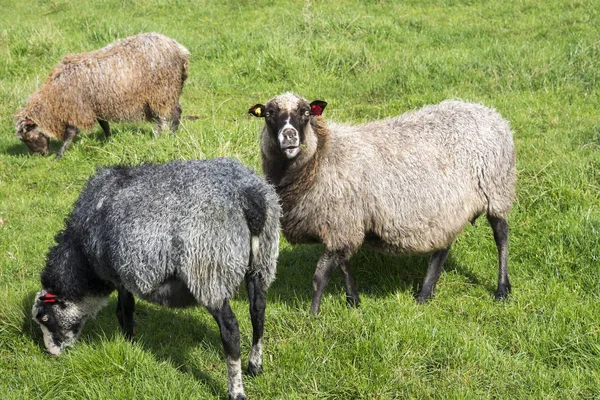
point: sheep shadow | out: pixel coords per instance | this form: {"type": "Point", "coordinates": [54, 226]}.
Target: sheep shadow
{"type": "Point", "coordinates": [169, 335]}
{"type": "Point", "coordinates": [20, 149]}
{"type": "Point", "coordinates": [375, 274]}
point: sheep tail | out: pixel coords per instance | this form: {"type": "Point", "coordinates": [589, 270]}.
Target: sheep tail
{"type": "Point", "coordinates": [262, 212]}
{"type": "Point", "coordinates": [254, 205]}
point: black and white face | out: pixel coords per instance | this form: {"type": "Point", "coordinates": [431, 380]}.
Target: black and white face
{"type": "Point", "coordinates": [29, 134]}
{"type": "Point", "coordinates": [61, 322]}
{"type": "Point", "coordinates": [287, 119]}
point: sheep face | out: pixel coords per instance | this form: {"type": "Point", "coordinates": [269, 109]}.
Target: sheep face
{"type": "Point", "coordinates": [287, 121]}
{"type": "Point", "coordinates": [61, 321]}
{"type": "Point", "coordinates": [28, 132]}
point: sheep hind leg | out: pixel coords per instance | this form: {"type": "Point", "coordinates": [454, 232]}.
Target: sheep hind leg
{"type": "Point", "coordinates": [434, 270]}
{"type": "Point", "coordinates": [500, 229]}
{"type": "Point", "coordinates": [352, 298]}
{"type": "Point", "coordinates": [257, 314]}
{"type": "Point", "coordinates": [125, 309]}
{"type": "Point", "coordinates": [70, 134]}
{"type": "Point", "coordinates": [230, 337]}
{"type": "Point", "coordinates": [105, 127]}
{"type": "Point", "coordinates": [326, 265]}
{"type": "Point", "coordinates": [175, 118]}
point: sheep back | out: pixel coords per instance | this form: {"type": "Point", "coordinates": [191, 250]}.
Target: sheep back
{"type": "Point", "coordinates": [125, 81]}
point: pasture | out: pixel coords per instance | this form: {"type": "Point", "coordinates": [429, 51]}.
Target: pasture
{"type": "Point", "coordinates": [537, 63]}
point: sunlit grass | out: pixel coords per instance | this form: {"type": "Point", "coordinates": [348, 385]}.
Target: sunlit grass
{"type": "Point", "coordinates": [537, 63]}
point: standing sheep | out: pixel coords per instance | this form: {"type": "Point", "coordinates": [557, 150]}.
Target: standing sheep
{"type": "Point", "coordinates": [406, 185]}
{"type": "Point", "coordinates": [134, 79]}
{"type": "Point", "coordinates": [178, 234]}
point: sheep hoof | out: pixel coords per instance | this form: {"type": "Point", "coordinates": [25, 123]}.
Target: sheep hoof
{"type": "Point", "coordinates": [254, 370]}
{"type": "Point", "coordinates": [353, 301]}
{"type": "Point", "coordinates": [424, 296]}
{"type": "Point", "coordinates": [502, 292]}
{"type": "Point", "coordinates": [238, 397]}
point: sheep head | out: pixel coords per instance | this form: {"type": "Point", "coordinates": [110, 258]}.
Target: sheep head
{"type": "Point", "coordinates": [288, 122]}
{"type": "Point", "coordinates": [28, 132]}
{"type": "Point", "coordinates": [61, 320]}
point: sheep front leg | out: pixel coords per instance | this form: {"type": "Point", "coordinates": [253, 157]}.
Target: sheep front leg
{"type": "Point", "coordinates": [175, 118]}
{"type": "Point", "coordinates": [434, 270]}
{"type": "Point", "coordinates": [230, 336]}
{"type": "Point", "coordinates": [125, 309]}
{"type": "Point", "coordinates": [70, 134]}
{"type": "Point", "coordinates": [352, 298]}
{"type": "Point", "coordinates": [161, 125]}
{"type": "Point", "coordinates": [500, 228]}
{"type": "Point", "coordinates": [105, 127]}
{"type": "Point", "coordinates": [258, 304]}
{"type": "Point", "coordinates": [326, 265]}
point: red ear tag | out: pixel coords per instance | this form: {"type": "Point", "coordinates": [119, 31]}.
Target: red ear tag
{"type": "Point", "coordinates": [49, 298]}
{"type": "Point", "coordinates": [316, 109]}
{"type": "Point", "coordinates": [29, 122]}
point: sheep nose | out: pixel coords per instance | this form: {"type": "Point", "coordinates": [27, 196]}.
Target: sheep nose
{"type": "Point", "coordinates": [288, 136]}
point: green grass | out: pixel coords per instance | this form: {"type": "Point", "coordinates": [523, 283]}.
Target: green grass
{"type": "Point", "coordinates": [538, 63]}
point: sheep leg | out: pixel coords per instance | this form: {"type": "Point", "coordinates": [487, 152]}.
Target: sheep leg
{"type": "Point", "coordinates": [257, 314]}
{"type": "Point", "coordinates": [70, 134]}
{"type": "Point", "coordinates": [326, 265]}
{"type": "Point", "coordinates": [161, 125]}
{"type": "Point", "coordinates": [500, 228]}
{"type": "Point", "coordinates": [230, 336]}
{"type": "Point", "coordinates": [105, 127]}
{"type": "Point", "coordinates": [175, 118]}
{"type": "Point", "coordinates": [433, 274]}
{"type": "Point", "coordinates": [352, 298]}
{"type": "Point", "coordinates": [125, 308]}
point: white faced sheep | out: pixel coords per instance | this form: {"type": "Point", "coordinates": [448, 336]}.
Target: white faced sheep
{"type": "Point", "coordinates": [406, 185]}
{"type": "Point", "coordinates": [178, 234]}
{"type": "Point", "coordinates": [134, 79]}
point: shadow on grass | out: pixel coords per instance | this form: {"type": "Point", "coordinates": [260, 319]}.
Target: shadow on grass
{"type": "Point", "coordinates": [168, 335]}
{"type": "Point", "coordinates": [375, 274]}
{"type": "Point", "coordinates": [20, 149]}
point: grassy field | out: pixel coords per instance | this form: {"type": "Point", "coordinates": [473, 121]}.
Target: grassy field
{"type": "Point", "coordinates": [537, 63]}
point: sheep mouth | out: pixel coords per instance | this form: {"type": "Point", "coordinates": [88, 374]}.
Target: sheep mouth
{"type": "Point", "coordinates": [290, 151]}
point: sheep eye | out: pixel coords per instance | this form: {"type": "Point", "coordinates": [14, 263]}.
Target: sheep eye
{"type": "Point", "coordinates": [306, 113]}
{"type": "Point", "coordinates": [45, 318]}
{"type": "Point", "coordinates": [268, 114]}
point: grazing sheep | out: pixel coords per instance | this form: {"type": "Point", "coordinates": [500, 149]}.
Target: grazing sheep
{"type": "Point", "coordinates": [406, 185]}
{"type": "Point", "coordinates": [134, 79]}
{"type": "Point", "coordinates": [178, 234]}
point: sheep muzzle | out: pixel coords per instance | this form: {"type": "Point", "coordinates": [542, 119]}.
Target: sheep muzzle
{"type": "Point", "coordinates": [289, 141]}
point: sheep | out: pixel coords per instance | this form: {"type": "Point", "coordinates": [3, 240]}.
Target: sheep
{"type": "Point", "coordinates": [404, 185]}
{"type": "Point", "coordinates": [134, 79]}
{"type": "Point", "coordinates": [177, 234]}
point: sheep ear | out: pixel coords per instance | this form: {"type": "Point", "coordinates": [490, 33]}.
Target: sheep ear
{"type": "Point", "coordinates": [258, 110]}
{"type": "Point", "coordinates": [318, 106]}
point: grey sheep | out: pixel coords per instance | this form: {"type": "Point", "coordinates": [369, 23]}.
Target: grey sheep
{"type": "Point", "coordinates": [134, 79]}
{"type": "Point", "coordinates": [178, 234]}
{"type": "Point", "coordinates": [405, 185]}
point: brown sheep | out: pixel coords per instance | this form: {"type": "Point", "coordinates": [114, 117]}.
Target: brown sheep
{"type": "Point", "coordinates": [134, 79]}
{"type": "Point", "coordinates": [406, 185]}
